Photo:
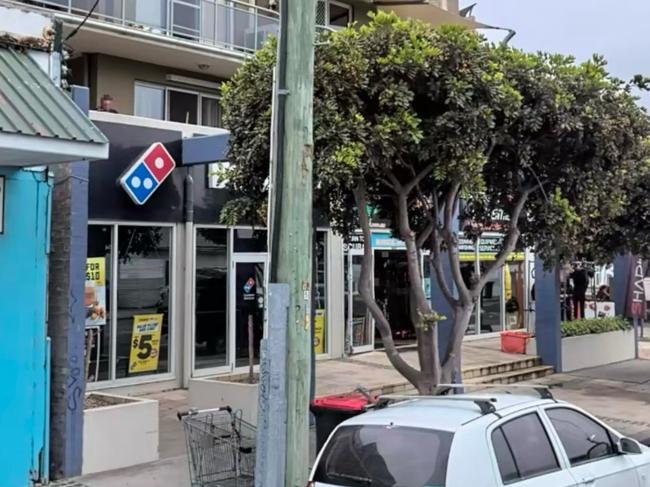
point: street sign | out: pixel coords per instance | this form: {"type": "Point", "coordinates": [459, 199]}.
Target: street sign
{"type": "Point", "coordinates": [147, 173]}
{"type": "Point", "coordinates": [2, 205]}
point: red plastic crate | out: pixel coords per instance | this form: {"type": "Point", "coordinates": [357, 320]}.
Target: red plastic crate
{"type": "Point", "coordinates": [514, 341]}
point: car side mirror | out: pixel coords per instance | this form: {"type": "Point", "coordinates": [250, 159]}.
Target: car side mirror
{"type": "Point", "coordinates": [628, 446]}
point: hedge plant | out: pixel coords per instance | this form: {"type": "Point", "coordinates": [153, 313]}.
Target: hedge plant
{"type": "Point", "coordinates": [594, 325]}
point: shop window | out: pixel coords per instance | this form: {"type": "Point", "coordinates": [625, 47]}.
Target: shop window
{"type": "Point", "coordinates": [97, 300]}
{"type": "Point", "coordinates": [211, 299]}
{"type": "Point", "coordinates": [249, 240]}
{"type": "Point", "coordinates": [320, 293]}
{"type": "Point", "coordinates": [144, 307]}
{"type": "Point", "coordinates": [491, 298]}
{"type": "Point", "coordinates": [183, 106]}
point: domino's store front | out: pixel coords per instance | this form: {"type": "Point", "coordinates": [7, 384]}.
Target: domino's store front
{"type": "Point", "coordinates": [170, 292]}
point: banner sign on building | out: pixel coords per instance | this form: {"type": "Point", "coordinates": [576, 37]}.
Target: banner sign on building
{"type": "Point", "coordinates": [488, 248]}
{"type": "Point", "coordinates": [147, 173]}
{"type": "Point", "coordinates": [145, 343]}
{"type": "Point", "coordinates": [635, 304]}
{"type": "Point", "coordinates": [95, 291]}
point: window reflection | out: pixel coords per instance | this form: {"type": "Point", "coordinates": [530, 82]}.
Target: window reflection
{"type": "Point", "coordinates": [211, 298]}
{"type": "Point", "coordinates": [143, 289]}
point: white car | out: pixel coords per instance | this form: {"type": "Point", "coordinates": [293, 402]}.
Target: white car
{"type": "Point", "coordinates": [479, 441]}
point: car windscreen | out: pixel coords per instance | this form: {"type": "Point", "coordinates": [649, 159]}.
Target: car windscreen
{"type": "Point", "coordinates": [383, 456]}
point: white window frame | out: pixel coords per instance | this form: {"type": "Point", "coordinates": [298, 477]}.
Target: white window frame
{"type": "Point", "coordinates": [112, 381]}
{"type": "Point", "coordinates": [169, 89]}
{"type": "Point", "coordinates": [165, 109]}
{"type": "Point", "coordinates": [145, 84]}
{"type": "Point", "coordinates": [344, 5]}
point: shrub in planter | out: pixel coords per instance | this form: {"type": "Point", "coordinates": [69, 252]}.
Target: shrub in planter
{"type": "Point", "coordinates": [593, 326]}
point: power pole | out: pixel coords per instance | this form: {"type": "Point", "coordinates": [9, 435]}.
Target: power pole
{"type": "Point", "coordinates": [291, 219]}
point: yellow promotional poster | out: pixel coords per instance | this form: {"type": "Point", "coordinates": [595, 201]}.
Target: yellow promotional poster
{"type": "Point", "coordinates": [319, 331]}
{"type": "Point", "coordinates": [145, 343]}
{"type": "Point", "coordinates": [95, 291]}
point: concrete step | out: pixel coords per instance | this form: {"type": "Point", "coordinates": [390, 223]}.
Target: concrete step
{"type": "Point", "coordinates": [514, 376]}
{"type": "Point", "coordinates": [526, 362]}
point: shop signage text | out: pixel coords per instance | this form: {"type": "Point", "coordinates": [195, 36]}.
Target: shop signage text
{"type": "Point", "coordinates": [636, 299]}
{"type": "Point", "coordinates": [145, 343]}
{"type": "Point", "coordinates": [147, 173]}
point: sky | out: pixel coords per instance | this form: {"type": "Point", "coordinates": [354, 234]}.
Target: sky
{"type": "Point", "coordinates": [617, 29]}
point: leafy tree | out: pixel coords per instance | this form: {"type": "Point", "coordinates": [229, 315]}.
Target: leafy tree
{"type": "Point", "coordinates": [411, 121]}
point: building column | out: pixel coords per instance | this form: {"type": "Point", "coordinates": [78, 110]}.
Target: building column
{"type": "Point", "coordinates": [548, 330]}
{"type": "Point", "coordinates": [622, 265]}
{"type": "Point", "coordinates": [66, 320]}
{"type": "Point", "coordinates": [441, 306]}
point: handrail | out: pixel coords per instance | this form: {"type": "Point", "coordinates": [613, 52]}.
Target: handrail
{"type": "Point", "coordinates": [233, 24]}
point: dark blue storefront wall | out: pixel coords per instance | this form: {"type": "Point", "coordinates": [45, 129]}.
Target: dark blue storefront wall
{"type": "Point", "coordinates": [108, 201]}
{"type": "Point", "coordinates": [23, 343]}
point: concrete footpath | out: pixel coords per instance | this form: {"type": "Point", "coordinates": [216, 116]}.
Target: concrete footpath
{"type": "Point", "coordinates": [619, 394]}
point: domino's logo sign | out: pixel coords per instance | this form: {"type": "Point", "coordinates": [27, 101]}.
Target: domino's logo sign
{"type": "Point", "coordinates": [145, 176]}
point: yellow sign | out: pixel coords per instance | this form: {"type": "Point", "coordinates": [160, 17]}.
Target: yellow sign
{"type": "Point", "coordinates": [319, 331]}
{"type": "Point", "coordinates": [488, 256]}
{"type": "Point", "coordinates": [95, 291]}
{"type": "Point", "coordinates": [145, 343]}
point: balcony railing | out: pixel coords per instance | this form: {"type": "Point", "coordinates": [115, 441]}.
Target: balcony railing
{"type": "Point", "coordinates": [228, 24]}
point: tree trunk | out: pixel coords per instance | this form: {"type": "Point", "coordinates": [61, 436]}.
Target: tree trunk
{"type": "Point", "coordinates": [366, 291]}
{"type": "Point", "coordinates": [451, 368]}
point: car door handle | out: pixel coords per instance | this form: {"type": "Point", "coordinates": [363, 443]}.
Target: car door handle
{"type": "Point", "coordinates": [588, 479]}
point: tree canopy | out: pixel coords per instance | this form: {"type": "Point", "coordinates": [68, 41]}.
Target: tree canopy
{"type": "Point", "coordinates": [414, 120]}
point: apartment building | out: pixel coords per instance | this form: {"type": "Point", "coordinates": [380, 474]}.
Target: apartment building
{"type": "Point", "coordinates": [154, 69]}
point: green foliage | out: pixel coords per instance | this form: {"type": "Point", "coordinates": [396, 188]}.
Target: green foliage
{"type": "Point", "coordinates": [397, 97]}
{"type": "Point", "coordinates": [592, 326]}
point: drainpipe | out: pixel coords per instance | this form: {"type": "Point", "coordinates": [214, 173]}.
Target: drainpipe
{"type": "Point", "coordinates": [188, 218]}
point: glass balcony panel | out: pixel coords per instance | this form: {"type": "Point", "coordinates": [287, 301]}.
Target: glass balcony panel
{"type": "Point", "coordinates": [224, 23]}
{"type": "Point", "coordinates": [186, 19]}
{"type": "Point", "coordinates": [266, 26]}
{"type": "Point", "coordinates": [244, 29]}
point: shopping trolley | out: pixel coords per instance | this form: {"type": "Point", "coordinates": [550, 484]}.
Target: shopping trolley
{"type": "Point", "coordinates": [220, 447]}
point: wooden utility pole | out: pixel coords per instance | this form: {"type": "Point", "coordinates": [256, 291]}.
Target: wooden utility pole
{"type": "Point", "coordinates": [291, 220]}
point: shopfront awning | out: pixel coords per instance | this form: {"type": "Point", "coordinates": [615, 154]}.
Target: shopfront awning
{"type": "Point", "coordinates": [427, 12]}
{"type": "Point", "coordinates": [39, 122]}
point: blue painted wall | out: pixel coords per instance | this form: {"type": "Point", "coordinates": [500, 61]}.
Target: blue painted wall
{"type": "Point", "coordinates": [23, 304]}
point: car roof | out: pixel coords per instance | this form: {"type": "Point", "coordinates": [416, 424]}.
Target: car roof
{"type": "Point", "coordinates": [446, 413]}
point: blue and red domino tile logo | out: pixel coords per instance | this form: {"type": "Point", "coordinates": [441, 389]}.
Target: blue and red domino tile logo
{"type": "Point", "coordinates": [145, 176]}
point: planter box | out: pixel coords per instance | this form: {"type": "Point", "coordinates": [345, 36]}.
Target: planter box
{"type": "Point", "coordinates": [582, 352]}
{"type": "Point", "coordinates": [122, 433]}
{"type": "Point", "coordinates": [220, 391]}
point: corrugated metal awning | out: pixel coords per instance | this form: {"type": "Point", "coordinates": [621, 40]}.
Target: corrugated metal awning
{"type": "Point", "coordinates": [39, 122]}
{"type": "Point", "coordinates": [428, 12]}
